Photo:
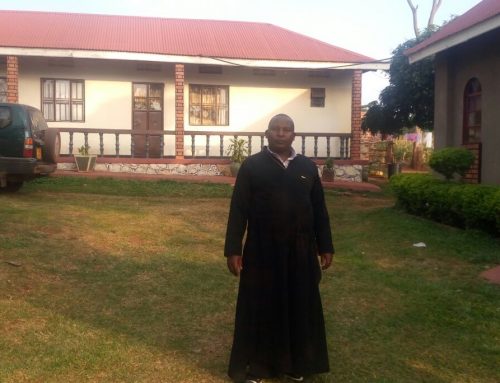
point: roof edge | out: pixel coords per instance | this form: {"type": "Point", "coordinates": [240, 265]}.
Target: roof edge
{"type": "Point", "coordinates": [165, 58]}
{"type": "Point", "coordinates": [416, 54]}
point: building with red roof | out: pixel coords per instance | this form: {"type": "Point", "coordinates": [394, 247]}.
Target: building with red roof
{"type": "Point", "coordinates": [142, 88]}
{"type": "Point", "coordinates": [467, 86]}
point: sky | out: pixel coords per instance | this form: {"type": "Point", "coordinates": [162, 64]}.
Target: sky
{"type": "Point", "coordinates": [373, 28]}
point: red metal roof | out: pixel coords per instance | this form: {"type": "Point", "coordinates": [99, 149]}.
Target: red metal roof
{"type": "Point", "coordinates": [485, 10]}
{"type": "Point", "coordinates": [207, 38]}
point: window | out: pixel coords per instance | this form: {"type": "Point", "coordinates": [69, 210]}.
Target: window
{"type": "Point", "coordinates": [319, 73]}
{"type": "Point", "coordinates": [264, 72]}
{"type": "Point", "coordinates": [3, 89]}
{"type": "Point", "coordinates": [208, 105]}
{"type": "Point", "coordinates": [5, 117]}
{"type": "Point", "coordinates": [38, 123]}
{"type": "Point", "coordinates": [210, 69]}
{"type": "Point", "coordinates": [318, 97]}
{"type": "Point", "coordinates": [472, 112]}
{"type": "Point", "coordinates": [148, 97]}
{"type": "Point", "coordinates": [63, 100]}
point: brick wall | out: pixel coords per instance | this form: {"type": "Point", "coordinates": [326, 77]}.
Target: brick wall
{"type": "Point", "coordinates": [12, 79]}
{"type": "Point", "coordinates": [473, 176]}
{"type": "Point", "coordinates": [179, 111]}
{"type": "Point", "coordinates": [356, 115]}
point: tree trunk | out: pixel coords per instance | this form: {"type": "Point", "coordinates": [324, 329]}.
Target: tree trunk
{"type": "Point", "coordinates": [414, 13]}
{"type": "Point", "coordinates": [435, 6]}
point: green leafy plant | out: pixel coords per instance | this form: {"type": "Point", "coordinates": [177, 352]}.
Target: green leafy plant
{"type": "Point", "coordinates": [451, 161]}
{"type": "Point", "coordinates": [84, 150]}
{"type": "Point", "coordinates": [329, 163]}
{"type": "Point", "coordinates": [237, 150]}
{"type": "Point", "coordinates": [402, 150]}
{"type": "Point", "coordinates": [462, 205]}
{"type": "Point", "coordinates": [328, 173]}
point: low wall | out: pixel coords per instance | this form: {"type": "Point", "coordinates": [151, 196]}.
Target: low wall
{"type": "Point", "coordinates": [344, 172]}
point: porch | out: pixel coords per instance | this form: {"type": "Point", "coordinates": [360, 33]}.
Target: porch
{"type": "Point", "coordinates": [203, 152]}
{"type": "Point", "coordinates": [141, 145]}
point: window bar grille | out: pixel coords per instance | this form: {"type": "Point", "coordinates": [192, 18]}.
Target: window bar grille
{"type": "Point", "coordinates": [86, 140]}
{"type": "Point", "coordinates": [327, 147]}
{"type": "Point", "coordinates": [315, 146]}
{"type": "Point", "coordinates": [303, 145]}
{"type": "Point", "coordinates": [147, 145]}
{"type": "Point", "coordinates": [192, 144]}
{"type": "Point", "coordinates": [162, 145]}
{"type": "Point", "coordinates": [207, 147]}
{"type": "Point", "coordinates": [101, 143]}
{"type": "Point", "coordinates": [221, 145]}
{"type": "Point", "coordinates": [249, 145]}
{"type": "Point", "coordinates": [117, 144]}
{"type": "Point", "coordinates": [70, 142]}
{"type": "Point", "coordinates": [261, 142]}
{"type": "Point", "coordinates": [342, 147]}
{"type": "Point", "coordinates": [235, 138]}
{"type": "Point", "coordinates": [132, 146]}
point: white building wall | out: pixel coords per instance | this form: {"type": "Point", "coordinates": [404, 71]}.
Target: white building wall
{"type": "Point", "coordinates": [254, 99]}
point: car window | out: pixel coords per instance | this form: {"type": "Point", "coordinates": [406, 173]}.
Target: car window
{"type": "Point", "coordinates": [5, 117]}
{"type": "Point", "coordinates": [37, 121]}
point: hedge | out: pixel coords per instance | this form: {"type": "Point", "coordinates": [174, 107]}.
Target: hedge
{"type": "Point", "coordinates": [462, 205]}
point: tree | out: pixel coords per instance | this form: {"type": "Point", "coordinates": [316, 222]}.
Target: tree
{"type": "Point", "coordinates": [408, 101]}
{"type": "Point", "coordinates": [414, 8]}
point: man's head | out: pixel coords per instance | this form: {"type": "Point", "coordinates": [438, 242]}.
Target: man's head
{"type": "Point", "coordinates": [280, 134]}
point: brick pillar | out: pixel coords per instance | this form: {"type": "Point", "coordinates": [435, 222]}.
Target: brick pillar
{"type": "Point", "coordinates": [473, 175]}
{"type": "Point", "coordinates": [179, 111]}
{"type": "Point", "coordinates": [356, 115]}
{"type": "Point", "coordinates": [12, 79]}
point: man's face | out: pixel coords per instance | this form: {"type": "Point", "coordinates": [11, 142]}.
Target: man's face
{"type": "Point", "coordinates": [280, 136]}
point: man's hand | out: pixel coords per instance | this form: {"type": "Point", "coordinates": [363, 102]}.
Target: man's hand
{"type": "Point", "coordinates": [326, 260]}
{"type": "Point", "coordinates": [234, 264]}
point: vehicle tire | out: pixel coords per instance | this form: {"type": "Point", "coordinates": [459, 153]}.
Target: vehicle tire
{"type": "Point", "coordinates": [52, 148]}
{"type": "Point", "coordinates": [12, 187]}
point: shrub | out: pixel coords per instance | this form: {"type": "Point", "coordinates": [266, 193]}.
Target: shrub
{"type": "Point", "coordinates": [329, 163]}
{"type": "Point", "coordinates": [451, 161]}
{"type": "Point", "coordinates": [237, 150]}
{"type": "Point", "coordinates": [461, 205]}
{"type": "Point", "coordinates": [402, 149]}
{"type": "Point", "coordinates": [84, 150]}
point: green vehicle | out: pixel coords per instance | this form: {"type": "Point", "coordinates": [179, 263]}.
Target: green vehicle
{"type": "Point", "coordinates": [28, 148]}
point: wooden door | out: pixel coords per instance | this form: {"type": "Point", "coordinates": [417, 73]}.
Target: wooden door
{"type": "Point", "coordinates": [147, 114]}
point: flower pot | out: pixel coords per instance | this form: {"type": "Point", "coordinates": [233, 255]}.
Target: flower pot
{"type": "Point", "coordinates": [393, 169]}
{"type": "Point", "coordinates": [328, 175]}
{"type": "Point", "coordinates": [234, 168]}
{"type": "Point", "coordinates": [85, 163]}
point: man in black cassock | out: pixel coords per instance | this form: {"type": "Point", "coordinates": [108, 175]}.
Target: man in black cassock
{"type": "Point", "coordinates": [278, 200]}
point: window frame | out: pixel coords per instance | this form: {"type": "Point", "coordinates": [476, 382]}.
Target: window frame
{"type": "Point", "coordinates": [472, 104]}
{"type": "Point", "coordinates": [148, 98]}
{"type": "Point", "coordinates": [70, 101]}
{"type": "Point", "coordinates": [318, 97]}
{"type": "Point", "coordinates": [214, 107]}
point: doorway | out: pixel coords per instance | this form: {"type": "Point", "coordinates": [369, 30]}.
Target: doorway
{"type": "Point", "coordinates": [147, 115]}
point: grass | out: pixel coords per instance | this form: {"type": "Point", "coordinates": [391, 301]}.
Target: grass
{"type": "Point", "coordinates": [124, 281]}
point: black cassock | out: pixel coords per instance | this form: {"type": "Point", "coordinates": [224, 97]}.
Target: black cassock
{"type": "Point", "coordinates": [279, 324]}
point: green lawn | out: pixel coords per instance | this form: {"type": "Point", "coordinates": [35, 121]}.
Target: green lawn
{"type": "Point", "coordinates": [124, 281]}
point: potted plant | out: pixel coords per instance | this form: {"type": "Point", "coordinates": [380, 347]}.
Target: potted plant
{"type": "Point", "coordinates": [328, 173]}
{"type": "Point", "coordinates": [401, 150]}
{"type": "Point", "coordinates": [237, 150]}
{"type": "Point", "coordinates": [84, 160]}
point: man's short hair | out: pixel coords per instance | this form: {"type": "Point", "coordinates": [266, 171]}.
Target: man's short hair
{"type": "Point", "coordinates": [281, 116]}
